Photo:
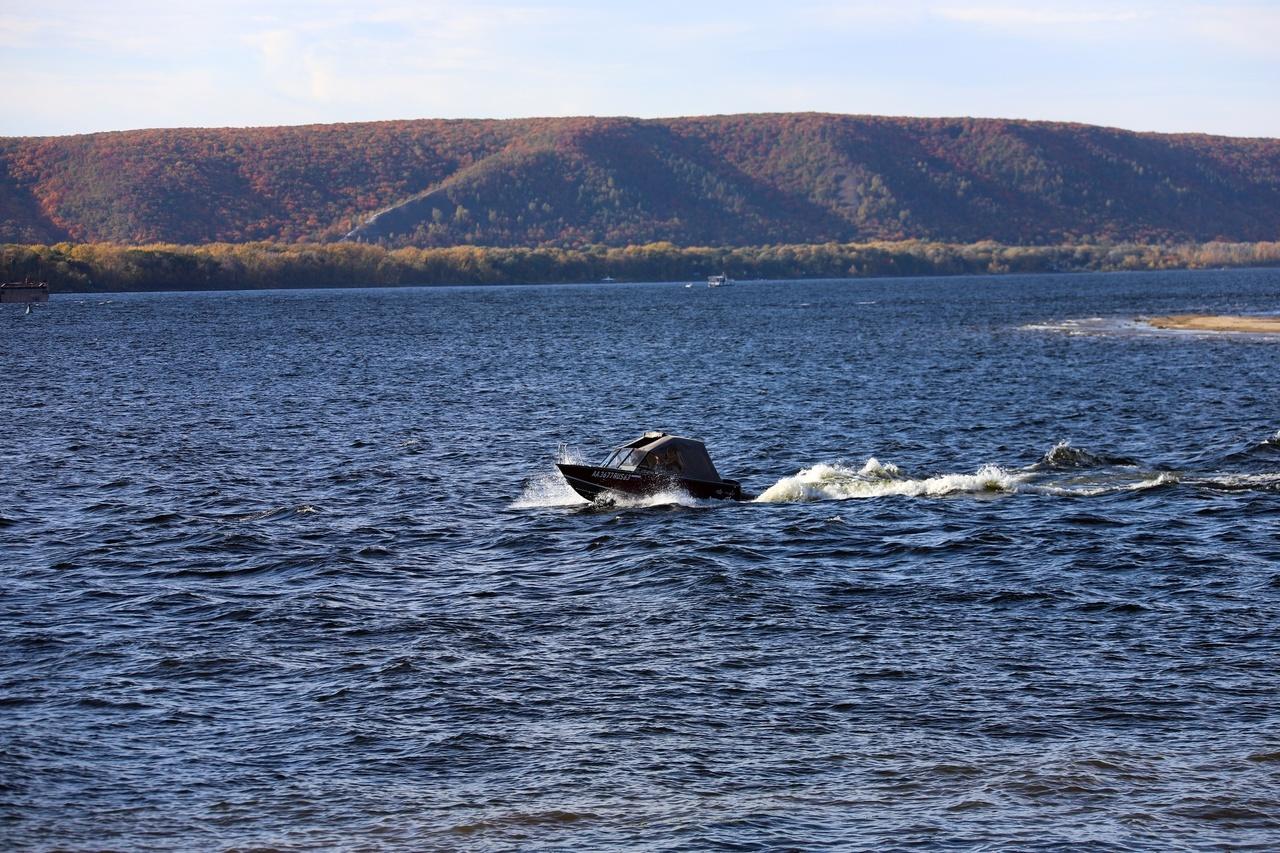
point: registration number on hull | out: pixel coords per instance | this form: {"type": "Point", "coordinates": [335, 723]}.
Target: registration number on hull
{"type": "Point", "coordinates": [602, 474]}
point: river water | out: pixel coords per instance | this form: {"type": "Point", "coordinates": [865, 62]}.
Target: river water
{"type": "Point", "coordinates": [293, 570]}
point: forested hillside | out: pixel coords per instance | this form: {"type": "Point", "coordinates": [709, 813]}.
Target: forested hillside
{"type": "Point", "coordinates": [720, 180]}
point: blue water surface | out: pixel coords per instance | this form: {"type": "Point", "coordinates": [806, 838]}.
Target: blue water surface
{"type": "Point", "coordinates": [293, 570]}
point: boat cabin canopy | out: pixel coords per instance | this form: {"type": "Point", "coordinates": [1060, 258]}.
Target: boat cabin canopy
{"type": "Point", "coordinates": [669, 454]}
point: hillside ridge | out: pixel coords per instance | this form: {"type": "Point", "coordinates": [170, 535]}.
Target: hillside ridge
{"type": "Point", "coordinates": [733, 180]}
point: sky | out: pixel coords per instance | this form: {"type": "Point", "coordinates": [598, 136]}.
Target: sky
{"type": "Point", "coordinates": [70, 66]}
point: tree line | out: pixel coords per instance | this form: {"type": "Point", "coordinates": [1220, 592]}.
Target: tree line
{"type": "Point", "coordinates": [105, 267]}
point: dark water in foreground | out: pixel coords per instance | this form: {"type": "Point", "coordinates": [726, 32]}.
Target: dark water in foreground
{"type": "Point", "coordinates": [289, 569]}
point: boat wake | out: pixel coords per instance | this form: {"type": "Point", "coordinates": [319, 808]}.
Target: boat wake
{"type": "Point", "coordinates": [875, 479]}
{"type": "Point", "coordinates": [1064, 470]}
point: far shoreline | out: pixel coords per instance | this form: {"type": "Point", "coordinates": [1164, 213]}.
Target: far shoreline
{"type": "Point", "coordinates": [1266, 324]}
{"type": "Point", "coordinates": [114, 268]}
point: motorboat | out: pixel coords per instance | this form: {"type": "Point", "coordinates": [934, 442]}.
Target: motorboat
{"type": "Point", "coordinates": [652, 463]}
{"type": "Point", "coordinates": [719, 281]}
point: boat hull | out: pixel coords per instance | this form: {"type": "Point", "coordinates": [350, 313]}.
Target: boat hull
{"type": "Point", "coordinates": [594, 481]}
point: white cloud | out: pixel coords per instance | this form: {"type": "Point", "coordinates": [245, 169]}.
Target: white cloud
{"type": "Point", "coordinates": [357, 55]}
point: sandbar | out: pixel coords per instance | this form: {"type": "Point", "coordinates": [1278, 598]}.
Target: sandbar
{"type": "Point", "coordinates": [1219, 323]}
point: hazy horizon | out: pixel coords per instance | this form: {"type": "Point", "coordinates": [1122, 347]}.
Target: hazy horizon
{"type": "Point", "coordinates": [144, 128]}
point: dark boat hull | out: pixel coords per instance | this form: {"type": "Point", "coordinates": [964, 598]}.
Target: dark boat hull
{"type": "Point", "coordinates": [593, 481]}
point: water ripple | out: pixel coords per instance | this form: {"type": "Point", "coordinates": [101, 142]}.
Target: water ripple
{"type": "Point", "coordinates": [295, 571]}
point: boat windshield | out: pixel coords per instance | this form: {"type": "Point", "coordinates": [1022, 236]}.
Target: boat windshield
{"type": "Point", "coordinates": [624, 457]}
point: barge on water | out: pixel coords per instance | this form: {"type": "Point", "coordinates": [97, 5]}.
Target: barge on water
{"type": "Point", "coordinates": [24, 292]}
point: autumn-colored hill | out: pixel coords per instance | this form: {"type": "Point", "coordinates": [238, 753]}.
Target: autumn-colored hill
{"type": "Point", "coordinates": [721, 180]}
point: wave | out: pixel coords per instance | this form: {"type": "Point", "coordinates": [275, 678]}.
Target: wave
{"type": "Point", "coordinates": [1265, 451]}
{"type": "Point", "coordinates": [1082, 488]}
{"type": "Point", "coordinates": [1269, 482]}
{"type": "Point", "coordinates": [1064, 455]}
{"type": "Point", "coordinates": [876, 479]}
{"type": "Point", "coordinates": [1269, 444]}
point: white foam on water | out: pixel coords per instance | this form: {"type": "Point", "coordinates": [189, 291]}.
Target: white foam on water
{"type": "Point", "coordinates": [876, 479]}
{"type": "Point", "coordinates": [1090, 487]}
{"type": "Point", "coordinates": [547, 489]}
{"type": "Point", "coordinates": [1091, 326]}
{"type": "Point", "coordinates": [1070, 491]}
{"type": "Point", "coordinates": [874, 469]}
{"type": "Point", "coordinates": [667, 497]}
{"type": "Point", "coordinates": [1164, 478]}
{"type": "Point", "coordinates": [1241, 482]}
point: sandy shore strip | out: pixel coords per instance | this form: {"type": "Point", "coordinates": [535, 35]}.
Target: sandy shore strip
{"type": "Point", "coordinates": [1218, 323]}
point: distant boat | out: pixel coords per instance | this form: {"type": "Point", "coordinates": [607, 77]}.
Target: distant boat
{"type": "Point", "coordinates": [608, 280]}
{"type": "Point", "coordinates": [24, 292]}
{"type": "Point", "coordinates": [719, 281]}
